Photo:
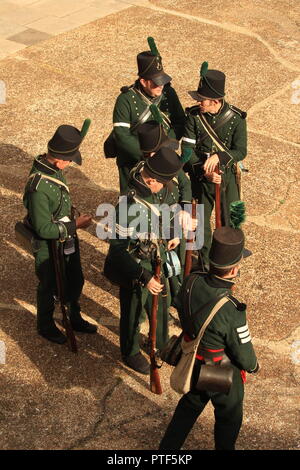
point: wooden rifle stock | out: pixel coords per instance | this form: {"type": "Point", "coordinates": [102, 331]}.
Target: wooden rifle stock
{"type": "Point", "coordinates": [155, 385]}
{"type": "Point", "coordinates": [188, 253]}
{"type": "Point", "coordinates": [218, 203]}
{"type": "Point", "coordinates": [57, 261]}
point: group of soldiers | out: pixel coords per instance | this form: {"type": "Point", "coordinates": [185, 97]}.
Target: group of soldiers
{"type": "Point", "coordinates": [148, 123]}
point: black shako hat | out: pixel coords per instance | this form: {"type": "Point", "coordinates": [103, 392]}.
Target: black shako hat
{"type": "Point", "coordinates": [152, 137]}
{"type": "Point", "coordinates": [227, 247]}
{"type": "Point", "coordinates": [65, 143]}
{"type": "Point", "coordinates": [150, 65]}
{"type": "Point", "coordinates": [164, 165]}
{"type": "Point", "coordinates": [211, 84]}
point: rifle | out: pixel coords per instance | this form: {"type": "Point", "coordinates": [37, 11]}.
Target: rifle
{"type": "Point", "coordinates": [218, 202]}
{"type": "Point", "coordinates": [155, 385]}
{"type": "Point", "coordinates": [58, 266]}
{"type": "Point", "coordinates": [188, 253]}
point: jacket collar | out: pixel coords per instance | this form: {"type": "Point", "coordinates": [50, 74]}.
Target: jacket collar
{"type": "Point", "coordinates": [43, 165]}
{"type": "Point", "coordinates": [218, 282]}
{"type": "Point", "coordinates": [137, 183]}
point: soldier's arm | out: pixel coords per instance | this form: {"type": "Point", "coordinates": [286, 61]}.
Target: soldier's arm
{"type": "Point", "coordinates": [127, 143]}
{"type": "Point", "coordinates": [41, 219]}
{"type": "Point", "coordinates": [239, 344]}
{"type": "Point", "coordinates": [184, 187]}
{"type": "Point", "coordinates": [177, 115]}
{"type": "Point", "coordinates": [189, 140]}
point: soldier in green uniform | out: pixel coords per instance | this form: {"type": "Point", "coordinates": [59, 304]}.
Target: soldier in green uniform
{"type": "Point", "coordinates": [216, 132]}
{"type": "Point", "coordinates": [130, 256]}
{"type": "Point", "coordinates": [226, 336]}
{"type": "Point", "coordinates": [50, 215]}
{"type": "Point", "coordinates": [152, 137]}
{"type": "Point", "coordinates": [132, 109]}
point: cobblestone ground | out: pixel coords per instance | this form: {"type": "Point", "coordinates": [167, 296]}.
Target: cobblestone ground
{"type": "Point", "coordinates": [53, 399]}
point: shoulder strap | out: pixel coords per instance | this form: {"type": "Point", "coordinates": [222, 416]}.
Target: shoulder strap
{"type": "Point", "coordinates": [216, 308]}
{"type": "Point", "coordinates": [193, 110]}
{"type": "Point", "coordinates": [223, 119]}
{"type": "Point", "coordinates": [214, 137]}
{"type": "Point", "coordinates": [49, 178]}
{"type": "Point", "coordinates": [238, 305]}
{"type": "Point", "coordinates": [143, 118]}
{"type": "Point", "coordinates": [221, 122]}
{"type": "Point", "coordinates": [238, 111]}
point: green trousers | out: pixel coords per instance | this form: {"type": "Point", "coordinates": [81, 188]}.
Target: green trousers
{"type": "Point", "coordinates": [134, 303]}
{"type": "Point", "coordinates": [204, 191]}
{"type": "Point", "coordinates": [228, 411]}
{"type": "Point", "coordinates": [73, 284]}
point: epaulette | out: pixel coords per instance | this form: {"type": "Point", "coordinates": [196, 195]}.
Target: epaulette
{"type": "Point", "coordinates": [238, 305]}
{"type": "Point", "coordinates": [194, 110]}
{"type": "Point", "coordinates": [35, 181]}
{"type": "Point", "coordinates": [238, 111]}
{"type": "Point", "coordinates": [126, 88]}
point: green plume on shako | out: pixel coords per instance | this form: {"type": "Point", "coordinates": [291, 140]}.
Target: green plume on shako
{"type": "Point", "coordinates": [237, 214]}
{"type": "Point", "coordinates": [156, 114]}
{"type": "Point", "coordinates": [203, 69]}
{"type": "Point", "coordinates": [152, 46]}
{"type": "Point", "coordinates": [85, 127]}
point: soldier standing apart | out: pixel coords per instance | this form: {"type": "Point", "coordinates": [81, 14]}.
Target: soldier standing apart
{"type": "Point", "coordinates": [50, 215]}
{"type": "Point", "coordinates": [226, 337]}
{"type": "Point", "coordinates": [132, 108]}
{"type": "Point", "coordinates": [132, 253]}
{"type": "Point", "coordinates": [216, 131]}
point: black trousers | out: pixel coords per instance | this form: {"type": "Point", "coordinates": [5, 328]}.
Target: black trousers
{"type": "Point", "coordinates": [228, 411]}
{"type": "Point", "coordinates": [73, 284]}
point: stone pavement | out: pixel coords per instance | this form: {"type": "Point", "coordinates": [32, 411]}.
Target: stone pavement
{"type": "Point", "coordinates": [52, 399]}
{"type": "Point", "coordinates": [27, 22]}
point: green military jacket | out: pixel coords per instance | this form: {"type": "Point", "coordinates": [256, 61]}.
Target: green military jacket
{"type": "Point", "coordinates": [47, 195]}
{"type": "Point", "coordinates": [232, 133]}
{"type": "Point", "coordinates": [228, 330]}
{"type": "Point", "coordinates": [124, 251]}
{"type": "Point", "coordinates": [130, 105]}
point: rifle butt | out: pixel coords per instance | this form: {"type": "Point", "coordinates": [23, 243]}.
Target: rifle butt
{"type": "Point", "coordinates": [155, 385]}
{"type": "Point", "coordinates": [70, 336]}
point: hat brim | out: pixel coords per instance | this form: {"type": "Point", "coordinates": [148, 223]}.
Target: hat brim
{"type": "Point", "coordinates": [160, 178]}
{"type": "Point", "coordinates": [246, 253]}
{"type": "Point", "coordinates": [74, 157]}
{"type": "Point", "coordinates": [161, 79]}
{"type": "Point", "coordinates": [197, 97]}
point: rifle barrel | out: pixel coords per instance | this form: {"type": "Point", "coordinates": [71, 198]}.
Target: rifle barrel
{"type": "Point", "coordinates": [218, 203]}
{"type": "Point", "coordinates": [155, 385]}
{"type": "Point", "coordinates": [188, 253]}
{"type": "Point", "coordinates": [60, 292]}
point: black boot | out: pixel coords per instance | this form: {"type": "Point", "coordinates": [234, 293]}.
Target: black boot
{"type": "Point", "coordinates": [53, 334]}
{"type": "Point", "coordinates": [83, 326]}
{"type": "Point", "coordinates": [137, 362]}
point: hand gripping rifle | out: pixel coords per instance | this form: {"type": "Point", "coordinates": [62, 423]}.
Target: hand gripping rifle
{"type": "Point", "coordinates": [155, 385]}
{"type": "Point", "coordinates": [58, 266]}
{"type": "Point", "coordinates": [188, 253]}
